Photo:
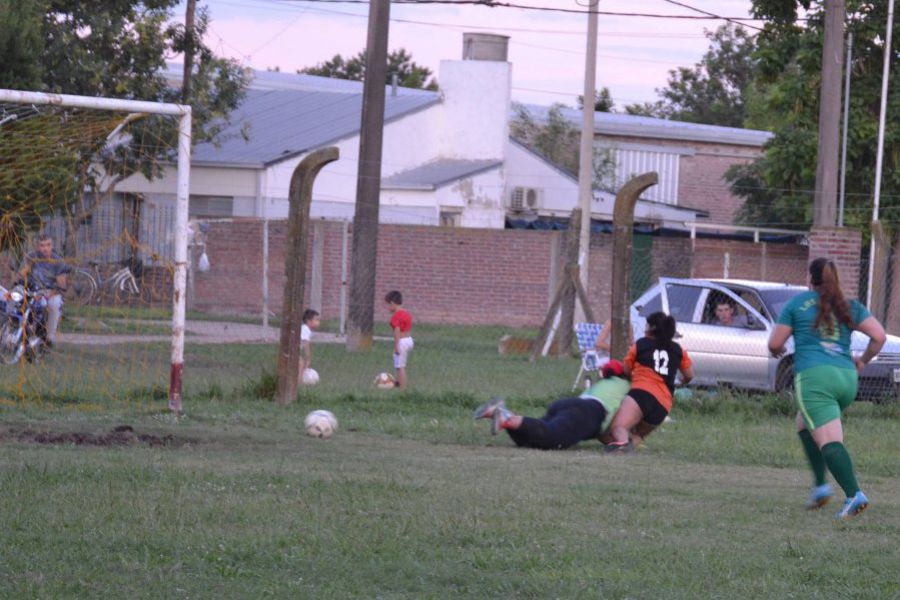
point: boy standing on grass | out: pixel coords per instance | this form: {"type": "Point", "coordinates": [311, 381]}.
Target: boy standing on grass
{"type": "Point", "coordinates": [401, 324]}
{"type": "Point", "coordinates": [311, 321]}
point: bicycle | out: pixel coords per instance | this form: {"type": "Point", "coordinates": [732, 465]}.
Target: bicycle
{"type": "Point", "coordinates": [85, 285]}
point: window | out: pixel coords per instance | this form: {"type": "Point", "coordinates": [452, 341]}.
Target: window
{"type": "Point", "coordinates": [205, 207]}
{"type": "Point", "coordinates": [653, 305]}
{"type": "Point", "coordinates": [450, 218]}
{"type": "Point", "coordinates": [683, 301]}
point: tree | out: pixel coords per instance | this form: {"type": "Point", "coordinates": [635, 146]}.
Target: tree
{"type": "Point", "coordinates": [399, 62]}
{"type": "Point", "coordinates": [20, 44]}
{"type": "Point", "coordinates": [715, 90]}
{"type": "Point", "coordinates": [778, 186]}
{"type": "Point", "coordinates": [603, 101]}
{"type": "Point", "coordinates": [558, 140]}
{"type": "Point", "coordinates": [114, 48]}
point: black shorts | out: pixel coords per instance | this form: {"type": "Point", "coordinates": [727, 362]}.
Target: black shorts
{"type": "Point", "coordinates": [654, 412]}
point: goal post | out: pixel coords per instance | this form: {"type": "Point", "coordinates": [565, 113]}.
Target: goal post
{"type": "Point", "coordinates": [179, 265]}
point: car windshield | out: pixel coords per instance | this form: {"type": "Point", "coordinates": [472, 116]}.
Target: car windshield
{"type": "Point", "coordinates": [777, 298]}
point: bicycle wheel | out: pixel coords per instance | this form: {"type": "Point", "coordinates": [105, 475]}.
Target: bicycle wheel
{"type": "Point", "coordinates": [81, 287]}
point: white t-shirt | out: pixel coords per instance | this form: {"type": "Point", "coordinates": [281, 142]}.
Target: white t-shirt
{"type": "Point", "coordinates": [305, 333]}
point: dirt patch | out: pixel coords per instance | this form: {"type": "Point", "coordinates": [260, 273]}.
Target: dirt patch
{"type": "Point", "coordinates": [122, 435]}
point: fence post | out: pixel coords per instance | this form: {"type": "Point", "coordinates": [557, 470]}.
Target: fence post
{"type": "Point", "coordinates": [623, 244]}
{"type": "Point", "coordinates": [300, 197]}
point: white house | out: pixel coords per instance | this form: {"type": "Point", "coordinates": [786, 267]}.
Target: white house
{"type": "Point", "coordinates": [448, 158]}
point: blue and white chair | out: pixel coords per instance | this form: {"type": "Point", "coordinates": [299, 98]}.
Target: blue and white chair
{"type": "Point", "coordinates": [591, 360]}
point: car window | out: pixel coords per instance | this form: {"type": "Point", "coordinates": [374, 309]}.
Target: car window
{"type": "Point", "coordinates": [653, 305]}
{"type": "Point", "coordinates": [777, 298]}
{"type": "Point", "coordinates": [683, 301]}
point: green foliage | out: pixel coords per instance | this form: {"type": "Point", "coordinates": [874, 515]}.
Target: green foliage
{"type": "Point", "coordinates": [399, 62]}
{"type": "Point", "coordinates": [603, 101]}
{"type": "Point", "coordinates": [778, 186]}
{"type": "Point", "coordinates": [715, 90]}
{"type": "Point", "coordinates": [111, 48]}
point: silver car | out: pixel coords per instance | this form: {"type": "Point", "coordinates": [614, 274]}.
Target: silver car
{"type": "Point", "coordinates": [738, 355]}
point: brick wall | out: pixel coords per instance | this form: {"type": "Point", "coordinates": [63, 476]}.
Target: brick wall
{"type": "Point", "coordinates": [461, 276]}
{"type": "Point", "coordinates": [841, 245]}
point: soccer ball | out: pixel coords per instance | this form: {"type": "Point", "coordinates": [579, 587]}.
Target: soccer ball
{"type": "Point", "coordinates": [310, 376]}
{"type": "Point", "coordinates": [384, 381]}
{"type": "Point", "coordinates": [320, 424]}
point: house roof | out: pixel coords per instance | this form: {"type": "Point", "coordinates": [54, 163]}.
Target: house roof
{"type": "Point", "coordinates": [438, 173]}
{"type": "Point", "coordinates": [281, 124]}
{"type": "Point", "coordinates": [650, 127]}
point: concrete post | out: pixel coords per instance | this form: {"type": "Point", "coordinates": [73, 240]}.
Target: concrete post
{"type": "Point", "coordinates": [295, 269]}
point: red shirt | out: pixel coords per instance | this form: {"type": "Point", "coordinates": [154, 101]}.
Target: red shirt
{"type": "Point", "coordinates": [401, 320]}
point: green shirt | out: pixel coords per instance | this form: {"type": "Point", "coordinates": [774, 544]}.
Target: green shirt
{"type": "Point", "coordinates": [817, 347]}
{"type": "Point", "coordinates": [609, 393]}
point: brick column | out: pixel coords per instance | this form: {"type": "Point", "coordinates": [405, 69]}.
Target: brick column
{"type": "Point", "coordinates": [844, 247]}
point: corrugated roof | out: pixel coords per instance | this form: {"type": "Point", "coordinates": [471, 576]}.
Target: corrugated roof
{"type": "Point", "coordinates": [649, 127]}
{"type": "Point", "coordinates": [435, 174]}
{"type": "Point", "coordinates": [281, 124]}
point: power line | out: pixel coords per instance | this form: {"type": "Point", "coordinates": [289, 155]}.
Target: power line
{"type": "Point", "coordinates": [729, 19]}
{"type": "Point", "coordinates": [498, 4]}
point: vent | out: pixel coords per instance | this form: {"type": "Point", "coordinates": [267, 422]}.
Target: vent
{"type": "Point", "coordinates": [525, 199]}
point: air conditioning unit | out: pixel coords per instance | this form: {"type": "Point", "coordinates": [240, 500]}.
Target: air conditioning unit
{"type": "Point", "coordinates": [522, 199]}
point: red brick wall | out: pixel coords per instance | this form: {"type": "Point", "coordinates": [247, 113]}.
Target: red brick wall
{"type": "Point", "coordinates": [461, 276]}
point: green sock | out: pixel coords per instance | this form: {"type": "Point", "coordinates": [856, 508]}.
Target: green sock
{"type": "Point", "coordinates": [838, 460]}
{"type": "Point", "coordinates": [814, 455]}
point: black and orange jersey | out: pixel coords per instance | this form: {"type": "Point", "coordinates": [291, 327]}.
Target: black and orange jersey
{"type": "Point", "coordinates": [654, 365]}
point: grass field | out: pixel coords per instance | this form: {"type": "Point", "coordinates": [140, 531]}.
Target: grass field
{"type": "Point", "coordinates": [412, 498]}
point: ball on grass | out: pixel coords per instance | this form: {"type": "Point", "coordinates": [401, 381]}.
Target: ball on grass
{"type": "Point", "coordinates": [320, 424]}
{"type": "Point", "coordinates": [310, 377]}
{"type": "Point", "coordinates": [384, 381]}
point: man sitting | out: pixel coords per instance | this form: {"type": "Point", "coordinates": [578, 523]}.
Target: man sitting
{"type": "Point", "coordinates": [725, 315]}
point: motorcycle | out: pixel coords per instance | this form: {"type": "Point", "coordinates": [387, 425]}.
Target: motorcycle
{"type": "Point", "coordinates": [23, 331]}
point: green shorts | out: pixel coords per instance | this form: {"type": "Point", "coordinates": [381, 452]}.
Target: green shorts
{"type": "Point", "coordinates": [823, 392]}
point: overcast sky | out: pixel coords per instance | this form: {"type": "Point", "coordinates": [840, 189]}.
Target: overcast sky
{"type": "Point", "coordinates": [546, 49]}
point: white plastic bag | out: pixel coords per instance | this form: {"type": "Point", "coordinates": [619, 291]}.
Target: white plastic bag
{"type": "Point", "coordinates": [203, 263]}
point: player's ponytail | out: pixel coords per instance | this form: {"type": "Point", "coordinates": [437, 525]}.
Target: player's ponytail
{"type": "Point", "coordinates": [662, 326]}
{"type": "Point", "coordinates": [833, 307]}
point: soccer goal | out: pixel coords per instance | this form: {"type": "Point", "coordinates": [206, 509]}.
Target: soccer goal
{"type": "Point", "coordinates": [93, 248]}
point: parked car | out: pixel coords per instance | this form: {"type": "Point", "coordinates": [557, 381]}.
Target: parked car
{"type": "Point", "coordinates": [738, 355]}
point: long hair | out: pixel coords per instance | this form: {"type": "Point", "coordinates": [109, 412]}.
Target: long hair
{"type": "Point", "coordinates": [662, 326]}
{"type": "Point", "coordinates": [833, 307]}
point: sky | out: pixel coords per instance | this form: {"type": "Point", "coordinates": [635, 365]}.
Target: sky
{"type": "Point", "coordinates": [547, 49]}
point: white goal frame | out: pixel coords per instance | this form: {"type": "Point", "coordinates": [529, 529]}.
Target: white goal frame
{"type": "Point", "coordinates": [181, 210]}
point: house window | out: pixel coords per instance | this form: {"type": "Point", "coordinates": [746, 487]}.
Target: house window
{"type": "Point", "coordinates": [619, 163]}
{"type": "Point", "coordinates": [210, 207]}
{"type": "Point", "coordinates": [450, 218]}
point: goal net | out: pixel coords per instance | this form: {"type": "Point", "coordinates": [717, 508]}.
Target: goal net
{"type": "Point", "coordinates": [93, 220]}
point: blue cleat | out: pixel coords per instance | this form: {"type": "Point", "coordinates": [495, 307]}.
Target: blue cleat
{"type": "Point", "coordinates": [853, 506]}
{"type": "Point", "coordinates": [819, 496]}
{"type": "Point", "coordinates": [486, 410]}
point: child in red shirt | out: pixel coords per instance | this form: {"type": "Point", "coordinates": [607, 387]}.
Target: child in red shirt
{"type": "Point", "coordinates": [401, 324]}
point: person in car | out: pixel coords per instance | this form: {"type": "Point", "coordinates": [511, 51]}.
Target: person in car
{"type": "Point", "coordinates": [725, 314]}
{"type": "Point", "coordinates": [827, 377]}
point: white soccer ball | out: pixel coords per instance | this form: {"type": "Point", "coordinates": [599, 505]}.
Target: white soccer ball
{"type": "Point", "coordinates": [384, 381]}
{"type": "Point", "coordinates": [310, 376]}
{"type": "Point", "coordinates": [320, 424]}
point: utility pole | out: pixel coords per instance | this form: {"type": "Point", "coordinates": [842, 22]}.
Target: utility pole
{"type": "Point", "coordinates": [586, 153]}
{"type": "Point", "coordinates": [368, 182]}
{"type": "Point", "coordinates": [845, 126]}
{"type": "Point", "coordinates": [188, 51]}
{"type": "Point", "coordinates": [824, 209]}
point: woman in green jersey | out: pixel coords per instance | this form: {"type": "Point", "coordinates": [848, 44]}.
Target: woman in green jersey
{"type": "Point", "coordinates": [826, 381]}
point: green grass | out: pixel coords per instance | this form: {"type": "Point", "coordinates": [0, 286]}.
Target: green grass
{"type": "Point", "coordinates": [414, 499]}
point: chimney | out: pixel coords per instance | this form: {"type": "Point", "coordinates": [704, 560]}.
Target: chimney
{"type": "Point", "coordinates": [476, 99]}
{"type": "Point", "coordinates": [485, 46]}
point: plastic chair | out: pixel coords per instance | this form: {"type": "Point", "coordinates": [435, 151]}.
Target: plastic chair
{"type": "Point", "coordinates": [591, 360]}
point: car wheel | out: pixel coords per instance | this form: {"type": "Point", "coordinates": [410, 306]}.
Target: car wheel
{"type": "Point", "coordinates": [784, 378]}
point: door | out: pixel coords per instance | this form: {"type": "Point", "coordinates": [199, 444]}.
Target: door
{"type": "Point", "coordinates": [735, 354]}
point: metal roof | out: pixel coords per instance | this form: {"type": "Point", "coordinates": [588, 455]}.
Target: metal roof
{"type": "Point", "coordinates": [435, 174]}
{"type": "Point", "coordinates": [650, 127]}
